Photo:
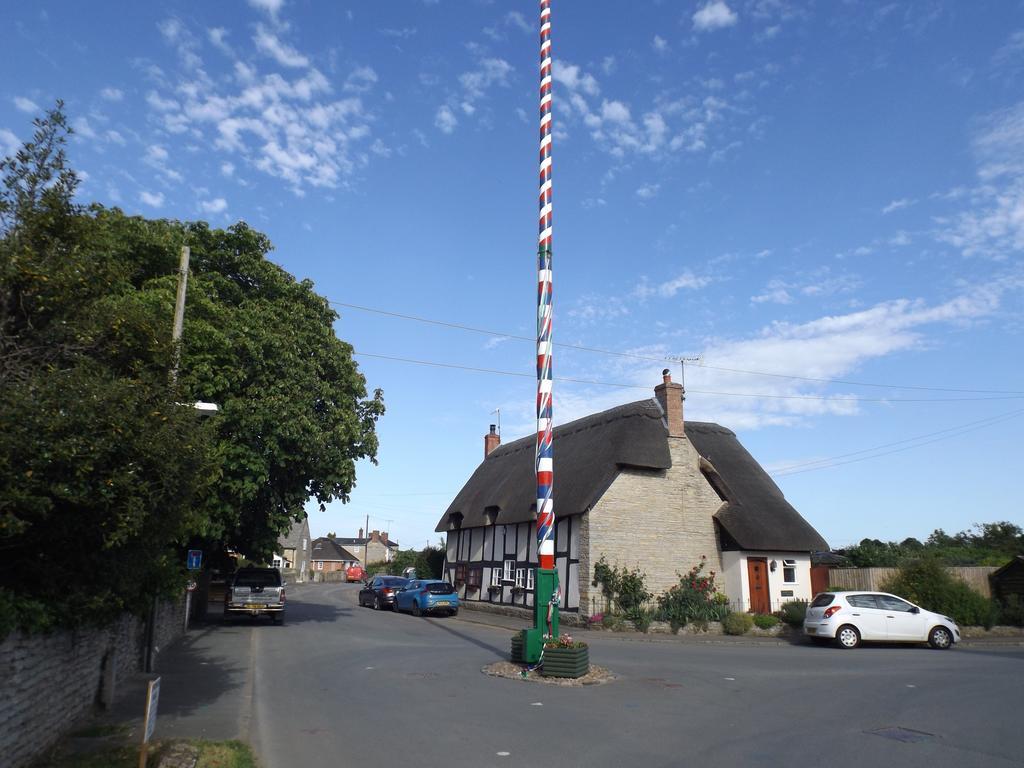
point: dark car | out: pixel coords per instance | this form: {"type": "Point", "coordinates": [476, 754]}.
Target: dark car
{"type": "Point", "coordinates": [380, 591]}
{"type": "Point", "coordinates": [255, 592]}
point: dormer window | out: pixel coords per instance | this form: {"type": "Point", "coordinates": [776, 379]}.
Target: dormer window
{"type": "Point", "coordinates": [490, 515]}
{"type": "Point", "coordinates": [454, 521]}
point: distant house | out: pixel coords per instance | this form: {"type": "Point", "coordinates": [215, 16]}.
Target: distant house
{"type": "Point", "coordinates": [293, 551]}
{"type": "Point", "coordinates": [641, 488]}
{"type": "Point", "coordinates": [375, 548]}
{"type": "Point", "coordinates": [328, 555]}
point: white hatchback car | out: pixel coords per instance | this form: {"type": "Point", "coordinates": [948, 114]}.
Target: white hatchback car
{"type": "Point", "coordinates": [850, 617]}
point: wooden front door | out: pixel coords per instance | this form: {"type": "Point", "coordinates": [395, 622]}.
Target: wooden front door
{"type": "Point", "coordinates": [757, 576]}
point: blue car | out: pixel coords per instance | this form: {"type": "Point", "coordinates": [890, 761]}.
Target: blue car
{"type": "Point", "coordinates": [423, 596]}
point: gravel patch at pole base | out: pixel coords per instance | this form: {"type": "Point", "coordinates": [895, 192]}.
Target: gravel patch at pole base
{"type": "Point", "coordinates": [596, 676]}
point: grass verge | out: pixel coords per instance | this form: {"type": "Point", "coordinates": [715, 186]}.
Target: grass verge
{"type": "Point", "coordinates": [212, 754]}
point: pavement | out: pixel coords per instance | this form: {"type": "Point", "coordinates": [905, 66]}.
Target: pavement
{"type": "Point", "coordinates": [354, 686]}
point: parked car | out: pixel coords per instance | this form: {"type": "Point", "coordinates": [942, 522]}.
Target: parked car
{"type": "Point", "coordinates": [852, 617]}
{"type": "Point", "coordinates": [355, 573]}
{"type": "Point", "coordinates": [423, 596]}
{"type": "Point", "coordinates": [380, 591]}
{"type": "Point", "coordinates": [255, 592]}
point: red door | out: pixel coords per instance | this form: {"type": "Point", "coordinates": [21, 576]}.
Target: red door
{"type": "Point", "coordinates": [757, 576]}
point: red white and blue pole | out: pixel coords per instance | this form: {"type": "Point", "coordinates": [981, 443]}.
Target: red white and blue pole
{"type": "Point", "coordinates": [544, 454]}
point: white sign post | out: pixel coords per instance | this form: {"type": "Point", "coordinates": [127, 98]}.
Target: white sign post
{"type": "Point", "coordinates": [152, 697]}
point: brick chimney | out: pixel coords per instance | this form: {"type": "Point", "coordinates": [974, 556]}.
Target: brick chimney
{"type": "Point", "coordinates": [491, 441]}
{"type": "Point", "coordinates": [671, 397]}
{"type": "Point", "coordinates": [360, 533]}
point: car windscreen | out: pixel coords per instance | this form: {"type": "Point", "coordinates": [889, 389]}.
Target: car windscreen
{"type": "Point", "coordinates": [258, 579]}
{"type": "Point", "coordinates": [394, 582]}
{"type": "Point", "coordinates": [440, 589]}
{"type": "Point", "coordinates": [822, 600]}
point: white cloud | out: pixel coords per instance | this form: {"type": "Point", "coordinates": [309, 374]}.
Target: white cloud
{"type": "Point", "coordinates": [516, 19]}
{"type": "Point", "coordinates": [660, 44]}
{"type": "Point", "coordinates": [112, 94]}
{"type": "Point", "coordinates": [83, 128]}
{"type": "Point", "coordinates": [26, 105]}
{"type": "Point", "coordinates": [361, 80]}
{"type": "Point", "coordinates": [573, 78]}
{"type": "Point", "coordinates": [114, 137]}
{"type": "Point", "coordinates": [666, 290]}
{"type": "Point", "coordinates": [896, 205]}
{"type": "Point", "coordinates": [268, 44]}
{"type": "Point", "coordinates": [445, 119]}
{"type": "Point", "coordinates": [776, 292]}
{"type": "Point", "coordinates": [648, 191]}
{"type": "Point", "coordinates": [227, 169]}
{"type": "Point", "coordinates": [271, 7]}
{"type": "Point", "coordinates": [153, 200]}
{"type": "Point", "coordinates": [9, 143]}
{"type": "Point", "coordinates": [714, 15]}
{"type": "Point", "coordinates": [218, 38]}
{"type": "Point", "coordinates": [491, 72]}
{"type": "Point", "coordinates": [217, 205]}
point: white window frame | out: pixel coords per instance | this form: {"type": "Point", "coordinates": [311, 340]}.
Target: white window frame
{"type": "Point", "coordinates": [495, 577]}
{"type": "Point", "coordinates": [521, 577]}
{"type": "Point", "coordinates": [508, 570]}
{"type": "Point", "coordinates": [319, 565]}
{"type": "Point", "coordinates": [529, 579]}
{"type": "Point", "coordinates": [304, 542]}
{"type": "Point", "coordinates": [790, 565]}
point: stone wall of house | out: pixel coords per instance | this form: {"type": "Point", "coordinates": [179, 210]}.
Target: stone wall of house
{"type": "Point", "coordinates": [658, 521]}
{"type": "Point", "coordinates": [50, 682]}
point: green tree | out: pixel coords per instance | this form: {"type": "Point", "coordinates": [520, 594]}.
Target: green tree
{"type": "Point", "coordinates": [106, 476]}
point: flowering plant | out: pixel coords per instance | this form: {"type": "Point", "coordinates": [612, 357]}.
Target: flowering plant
{"type": "Point", "coordinates": [563, 641]}
{"type": "Point", "coordinates": [694, 599]}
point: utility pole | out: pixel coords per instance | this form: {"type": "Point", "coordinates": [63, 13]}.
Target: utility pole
{"type": "Point", "coordinates": [179, 312]}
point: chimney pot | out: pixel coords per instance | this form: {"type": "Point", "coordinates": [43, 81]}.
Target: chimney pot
{"type": "Point", "coordinates": [360, 533]}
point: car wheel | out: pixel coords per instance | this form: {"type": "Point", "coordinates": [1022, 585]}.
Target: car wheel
{"type": "Point", "coordinates": [376, 602]}
{"type": "Point", "coordinates": [416, 608]}
{"type": "Point", "coordinates": [279, 620]}
{"type": "Point", "coordinates": [847, 637]}
{"type": "Point", "coordinates": [940, 638]}
{"type": "Point", "coordinates": [394, 606]}
{"type": "Point", "coordinates": [455, 611]}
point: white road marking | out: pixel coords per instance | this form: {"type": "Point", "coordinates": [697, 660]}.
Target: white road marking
{"type": "Point", "coordinates": [728, 678]}
{"type": "Point", "coordinates": [537, 704]}
{"type": "Point", "coordinates": [503, 754]}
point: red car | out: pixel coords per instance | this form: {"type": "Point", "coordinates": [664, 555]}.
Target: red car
{"type": "Point", "coordinates": [355, 573]}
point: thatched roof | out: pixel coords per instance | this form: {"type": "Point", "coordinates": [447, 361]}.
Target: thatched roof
{"type": "Point", "coordinates": [590, 452]}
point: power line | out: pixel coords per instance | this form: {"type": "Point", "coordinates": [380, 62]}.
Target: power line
{"type": "Point", "coordinates": [759, 395]}
{"type": "Point", "coordinates": [944, 434]}
{"type": "Point", "coordinates": [650, 358]}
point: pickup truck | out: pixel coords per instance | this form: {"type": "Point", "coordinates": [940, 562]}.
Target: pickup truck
{"type": "Point", "coordinates": [255, 592]}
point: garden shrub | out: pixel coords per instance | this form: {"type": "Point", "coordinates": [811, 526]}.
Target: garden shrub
{"type": "Point", "coordinates": [1011, 611]}
{"type": "Point", "coordinates": [793, 612]}
{"type": "Point", "coordinates": [641, 619]}
{"type": "Point", "coordinates": [625, 590]}
{"type": "Point", "coordinates": [762, 621]}
{"type": "Point", "coordinates": [695, 599]}
{"type": "Point", "coordinates": [927, 583]}
{"type": "Point", "coordinates": [737, 623]}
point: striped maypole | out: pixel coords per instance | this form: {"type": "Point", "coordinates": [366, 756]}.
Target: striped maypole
{"type": "Point", "coordinates": [545, 458]}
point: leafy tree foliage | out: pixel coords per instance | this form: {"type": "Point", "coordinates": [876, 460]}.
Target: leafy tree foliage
{"type": "Point", "coordinates": [106, 473]}
{"type": "Point", "coordinates": [983, 544]}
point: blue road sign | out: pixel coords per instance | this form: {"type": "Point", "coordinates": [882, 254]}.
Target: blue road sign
{"type": "Point", "coordinates": [195, 559]}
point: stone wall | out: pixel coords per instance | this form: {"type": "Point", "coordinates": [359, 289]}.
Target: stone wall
{"type": "Point", "coordinates": [658, 521]}
{"type": "Point", "coordinates": [50, 682]}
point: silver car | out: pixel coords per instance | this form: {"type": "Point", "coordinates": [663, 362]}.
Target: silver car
{"type": "Point", "coordinates": [255, 592]}
{"type": "Point", "coordinates": [852, 617]}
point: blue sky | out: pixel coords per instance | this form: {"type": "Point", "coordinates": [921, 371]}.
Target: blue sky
{"type": "Point", "coordinates": [818, 190]}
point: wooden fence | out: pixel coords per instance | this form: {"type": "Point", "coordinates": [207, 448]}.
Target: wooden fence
{"type": "Point", "coordinates": [871, 579]}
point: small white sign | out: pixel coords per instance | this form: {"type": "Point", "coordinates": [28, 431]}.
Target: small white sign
{"type": "Point", "coordinates": [152, 698]}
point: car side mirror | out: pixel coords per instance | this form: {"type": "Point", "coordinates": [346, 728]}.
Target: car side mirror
{"type": "Point", "coordinates": [915, 609]}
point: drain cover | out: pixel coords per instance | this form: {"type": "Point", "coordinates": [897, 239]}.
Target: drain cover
{"type": "Point", "coordinates": [907, 735]}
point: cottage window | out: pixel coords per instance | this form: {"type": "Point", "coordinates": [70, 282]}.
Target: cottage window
{"type": "Point", "coordinates": [521, 578]}
{"type": "Point", "coordinates": [304, 542]}
{"type": "Point", "coordinates": [529, 578]}
{"type": "Point", "coordinates": [460, 575]}
{"type": "Point", "coordinates": [509, 569]}
{"type": "Point", "coordinates": [319, 565]}
{"type": "Point", "coordinates": [789, 571]}
{"type": "Point", "coordinates": [476, 576]}
{"type": "Point", "coordinates": [495, 577]}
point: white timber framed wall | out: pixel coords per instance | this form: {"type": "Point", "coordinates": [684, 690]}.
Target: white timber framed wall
{"type": "Point", "coordinates": [781, 590]}
{"type": "Point", "coordinates": [494, 563]}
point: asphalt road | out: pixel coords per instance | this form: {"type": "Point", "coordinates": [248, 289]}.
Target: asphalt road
{"type": "Point", "coordinates": [340, 685]}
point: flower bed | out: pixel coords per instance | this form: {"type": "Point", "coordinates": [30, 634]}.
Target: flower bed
{"type": "Point", "coordinates": [565, 657]}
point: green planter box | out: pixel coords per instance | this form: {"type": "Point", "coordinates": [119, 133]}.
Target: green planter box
{"type": "Point", "coordinates": [517, 648]}
{"type": "Point", "coordinates": [566, 662]}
